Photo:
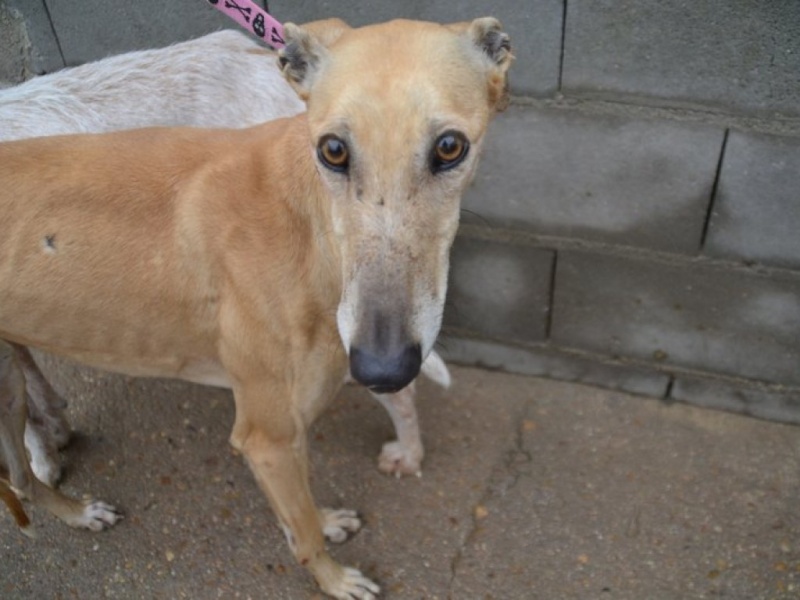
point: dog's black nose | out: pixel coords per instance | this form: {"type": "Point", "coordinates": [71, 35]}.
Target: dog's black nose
{"type": "Point", "coordinates": [385, 373]}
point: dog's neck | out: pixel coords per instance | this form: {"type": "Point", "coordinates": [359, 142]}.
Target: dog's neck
{"type": "Point", "coordinates": [307, 192]}
{"type": "Point", "coordinates": [287, 171]}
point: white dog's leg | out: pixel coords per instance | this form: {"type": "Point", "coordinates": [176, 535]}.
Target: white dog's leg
{"type": "Point", "coordinates": [43, 452]}
{"type": "Point", "coordinates": [45, 405]}
{"type": "Point", "coordinates": [13, 419]}
{"type": "Point", "coordinates": [47, 428]}
{"type": "Point", "coordinates": [404, 455]}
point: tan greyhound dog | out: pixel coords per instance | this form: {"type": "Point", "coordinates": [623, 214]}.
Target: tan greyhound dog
{"type": "Point", "coordinates": [266, 259]}
{"type": "Point", "coordinates": [223, 79]}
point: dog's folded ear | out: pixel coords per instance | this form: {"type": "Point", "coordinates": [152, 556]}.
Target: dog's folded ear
{"type": "Point", "coordinates": [306, 51]}
{"type": "Point", "coordinates": [487, 33]}
{"type": "Point", "coordinates": [488, 36]}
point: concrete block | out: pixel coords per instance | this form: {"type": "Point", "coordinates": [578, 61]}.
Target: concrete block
{"type": "Point", "coordinates": [756, 215]}
{"type": "Point", "coordinates": [550, 362]}
{"type": "Point", "coordinates": [603, 178]}
{"type": "Point", "coordinates": [692, 315]}
{"type": "Point", "coordinates": [765, 403]}
{"type": "Point", "coordinates": [499, 290]}
{"type": "Point", "coordinates": [535, 28]}
{"type": "Point", "coordinates": [93, 29]}
{"type": "Point", "coordinates": [43, 54]}
{"type": "Point", "coordinates": [737, 55]}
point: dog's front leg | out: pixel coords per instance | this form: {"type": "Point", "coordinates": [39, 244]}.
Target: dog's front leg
{"type": "Point", "coordinates": [271, 434]}
{"type": "Point", "coordinates": [404, 455]}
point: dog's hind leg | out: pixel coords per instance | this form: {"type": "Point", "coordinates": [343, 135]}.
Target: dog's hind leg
{"type": "Point", "coordinates": [45, 405]}
{"type": "Point", "coordinates": [13, 416]}
{"type": "Point", "coordinates": [43, 452]}
{"type": "Point", "coordinates": [47, 428]}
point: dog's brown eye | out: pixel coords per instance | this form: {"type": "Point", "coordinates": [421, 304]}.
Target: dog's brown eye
{"type": "Point", "coordinates": [450, 149]}
{"type": "Point", "coordinates": [332, 152]}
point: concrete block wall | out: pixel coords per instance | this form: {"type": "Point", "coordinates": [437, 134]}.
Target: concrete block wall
{"type": "Point", "coordinates": [635, 219]}
{"type": "Point", "coordinates": [659, 191]}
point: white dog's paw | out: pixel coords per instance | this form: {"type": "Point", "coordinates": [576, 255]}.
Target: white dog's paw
{"type": "Point", "coordinates": [397, 459]}
{"type": "Point", "coordinates": [96, 516]}
{"type": "Point", "coordinates": [337, 525]}
{"type": "Point", "coordinates": [353, 586]}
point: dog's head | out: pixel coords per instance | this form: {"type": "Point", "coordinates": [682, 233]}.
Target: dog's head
{"type": "Point", "coordinates": [397, 114]}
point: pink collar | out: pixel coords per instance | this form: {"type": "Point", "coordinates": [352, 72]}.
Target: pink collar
{"type": "Point", "coordinates": [255, 19]}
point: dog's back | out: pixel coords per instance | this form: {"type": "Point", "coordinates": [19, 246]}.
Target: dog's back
{"type": "Point", "coordinates": [223, 79]}
{"type": "Point", "coordinates": [93, 220]}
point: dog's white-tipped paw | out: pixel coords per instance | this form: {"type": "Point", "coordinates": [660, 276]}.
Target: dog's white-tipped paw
{"type": "Point", "coordinates": [337, 525]}
{"type": "Point", "coordinates": [354, 586]}
{"type": "Point", "coordinates": [96, 516]}
{"type": "Point", "coordinates": [396, 459]}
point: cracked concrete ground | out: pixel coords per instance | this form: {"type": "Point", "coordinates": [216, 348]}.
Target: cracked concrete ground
{"type": "Point", "coordinates": [531, 489]}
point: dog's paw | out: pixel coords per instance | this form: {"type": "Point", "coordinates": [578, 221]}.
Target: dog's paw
{"type": "Point", "coordinates": [397, 459]}
{"type": "Point", "coordinates": [337, 525]}
{"type": "Point", "coordinates": [353, 586]}
{"type": "Point", "coordinates": [96, 516]}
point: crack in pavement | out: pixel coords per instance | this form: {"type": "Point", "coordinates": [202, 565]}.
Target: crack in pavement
{"type": "Point", "coordinates": [502, 479]}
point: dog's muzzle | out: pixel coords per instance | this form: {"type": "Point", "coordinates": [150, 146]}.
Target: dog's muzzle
{"type": "Point", "coordinates": [385, 373]}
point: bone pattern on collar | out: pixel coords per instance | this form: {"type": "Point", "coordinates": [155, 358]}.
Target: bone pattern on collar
{"type": "Point", "coordinates": [253, 18]}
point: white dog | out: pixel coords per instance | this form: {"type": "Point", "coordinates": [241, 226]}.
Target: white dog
{"type": "Point", "coordinates": [223, 79]}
